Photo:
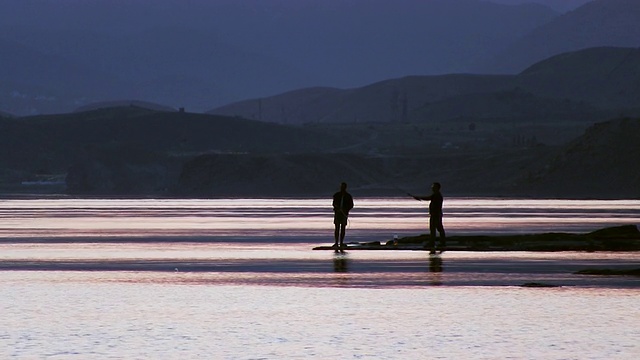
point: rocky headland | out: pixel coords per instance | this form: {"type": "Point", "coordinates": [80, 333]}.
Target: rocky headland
{"type": "Point", "coordinates": [619, 238]}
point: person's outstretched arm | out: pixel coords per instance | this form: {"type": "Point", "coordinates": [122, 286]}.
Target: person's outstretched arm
{"type": "Point", "coordinates": [419, 198]}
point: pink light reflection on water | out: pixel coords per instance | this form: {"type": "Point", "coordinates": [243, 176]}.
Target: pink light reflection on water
{"type": "Point", "coordinates": [274, 217]}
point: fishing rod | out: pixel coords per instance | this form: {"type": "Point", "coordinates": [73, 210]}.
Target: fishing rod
{"type": "Point", "coordinates": [396, 187]}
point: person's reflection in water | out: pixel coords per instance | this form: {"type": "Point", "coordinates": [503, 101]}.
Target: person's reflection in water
{"type": "Point", "coordinates": [435, 267]}
{"type": "Point", "coordinates": [340, 264]}
{"type": "Point", "coordinates": [435, 264]}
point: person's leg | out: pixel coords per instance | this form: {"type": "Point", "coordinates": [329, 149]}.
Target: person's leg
{"type": "Point", "coordinates": [433, 226]}
{"type": "Point", "coordinates": [343, 230]}
{"type": "Point", "coordinates": [336, 234]}
{"type": "Point", "coordinates": [443, 238]}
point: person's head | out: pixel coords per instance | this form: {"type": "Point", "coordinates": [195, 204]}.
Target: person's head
{"type": "Point", "coordinates": [343, 186]}
{"type": "Point", "coordinates": [435, 187]}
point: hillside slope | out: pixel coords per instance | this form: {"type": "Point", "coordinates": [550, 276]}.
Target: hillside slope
{"type": "Point", "coordinates": [595, 24]}
{"type": "Point", "coordinates": [607, 77]}
{"type": "Point", "coordinates": [121, 149]}
{"type": "Point", "coordinates": [138, 152]}
{"type": "Point", "coordinates": [602, 163]}
{"type": "Point", "coordinates": [564, 87]}
{"type": "Point", "coordinates": [124, 103]}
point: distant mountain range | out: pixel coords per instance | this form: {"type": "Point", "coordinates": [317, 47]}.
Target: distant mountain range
{"type": "Point", "coordinates": [203, 54]}
{"type": "Point", "coordinates": [581, 84]}
{"type": "Point", "coordinates": [596, 24]}
{"type": "Point", "coordinates": [34, 82]}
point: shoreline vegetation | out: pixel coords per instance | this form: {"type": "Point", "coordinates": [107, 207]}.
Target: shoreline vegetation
{"type": "Point", "coordinates": [617, 238]}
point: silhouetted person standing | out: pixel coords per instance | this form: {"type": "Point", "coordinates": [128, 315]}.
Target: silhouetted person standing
{"type": "Point", "coordinates": [342, 204]}
{"type": "Point", "coordinates": [435, 217]}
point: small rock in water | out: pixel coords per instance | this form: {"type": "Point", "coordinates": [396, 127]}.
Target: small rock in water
{"type": "Point", "coordinates": [537, 284]}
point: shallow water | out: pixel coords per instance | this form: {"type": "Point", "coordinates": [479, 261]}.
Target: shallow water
{"type": "Point", "coordinates": [235, 219]}
{"type": "Point", "coordinates": [124, 316]}
{"type": "Point", "coordinates": [237, 279]}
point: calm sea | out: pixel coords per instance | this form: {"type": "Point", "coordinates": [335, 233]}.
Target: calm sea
{"type": "Point", "coordinates": [237, 279]}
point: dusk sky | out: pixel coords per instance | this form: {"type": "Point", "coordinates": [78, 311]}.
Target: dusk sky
{"type": "Point", "coordinates": [559, 5]}
{"type": "Point", "coordinates": [204, 54]}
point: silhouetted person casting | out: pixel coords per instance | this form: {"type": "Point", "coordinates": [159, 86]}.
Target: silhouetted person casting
{"type": "Point", "coordinates": [342, 204]}
{"type": "Point", "coordinates": [435, 217]}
